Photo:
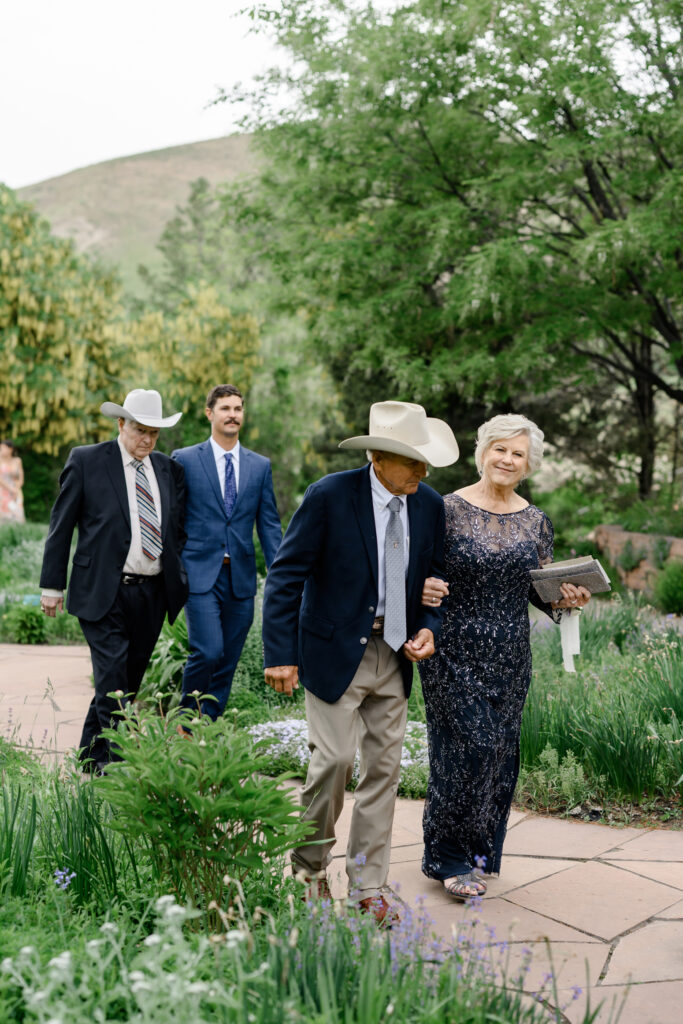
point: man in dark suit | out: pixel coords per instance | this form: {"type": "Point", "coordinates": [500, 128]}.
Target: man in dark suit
{"type": "Point", "coordinates": [127, 502]}
{"type": "Point", "coordinates": [342, 612]}
{"type": "Point", "coordinates": [228, 489]}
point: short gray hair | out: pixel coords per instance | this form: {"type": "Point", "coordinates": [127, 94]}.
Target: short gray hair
{"type": "Point", "coordinates": [508, 425]}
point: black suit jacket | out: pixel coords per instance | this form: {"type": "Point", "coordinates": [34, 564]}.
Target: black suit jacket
{"type": "Point", "coordinates": [93, 497]}
{"type": "Point", "coordinates": [321, 591]}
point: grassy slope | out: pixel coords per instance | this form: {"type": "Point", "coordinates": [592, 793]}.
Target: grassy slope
{"type": "Point", "coordinates": [119, 208]}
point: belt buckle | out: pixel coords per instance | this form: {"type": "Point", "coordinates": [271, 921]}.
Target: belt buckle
{"type": "Point", "coordinates": [128, 580]}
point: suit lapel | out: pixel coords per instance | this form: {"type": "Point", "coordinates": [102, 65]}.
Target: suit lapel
{"type": "Point", "coordinates": [161, 472]}
{"type": "Point", "coordinates": [205, 452]}
{"type": "Point", "coordinates": [114, 467]}
{"type": "Point", "coordinates": [362, 503]}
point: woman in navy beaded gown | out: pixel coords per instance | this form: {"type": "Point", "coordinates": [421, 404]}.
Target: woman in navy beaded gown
{"type": "Point", "coordinates": [476, 683]}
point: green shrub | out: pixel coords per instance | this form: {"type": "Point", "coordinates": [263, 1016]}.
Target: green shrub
{"type": "Point", "coordinates": [203, 803]}
{"type": "Point", "coordinates": [164, 673]}
{"type": "Point", "coordinates": [24, 624]}
{"type": "Point", "coordinates": [555, 784]}
{"type": "Point", "coordinates": [661, 547]}
{"type": "Point", "coordinates": [629, 558]}
{"type": "Point", "coordinates": [669, 588]}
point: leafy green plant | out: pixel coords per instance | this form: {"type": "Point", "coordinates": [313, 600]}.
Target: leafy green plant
{"type": "Point", "coordinates": [165, 671]}
{"type": "Point", "coordinates": [661, 546]}
{"type": "Point", "coordinates": [201, 800]}
{"type": "Point", "coordinates": [669, 588]}
{"type": "Point", "coordinates": [24, 624]}
{"type": "Point", "coordinates": [554, 784]}
{"type": "Point", "coordinates": [629, 558]}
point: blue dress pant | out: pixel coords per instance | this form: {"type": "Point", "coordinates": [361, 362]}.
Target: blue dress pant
{"type": "Point", "coordinates": [217, 626]}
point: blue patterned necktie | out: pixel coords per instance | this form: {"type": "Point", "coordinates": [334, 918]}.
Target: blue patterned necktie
{"type": "Point", "coordinates": [395, 580]}
{"type": "Point", "coordinates": [230, 492]}
{"type": "Point", "coordinates": [149, 520]}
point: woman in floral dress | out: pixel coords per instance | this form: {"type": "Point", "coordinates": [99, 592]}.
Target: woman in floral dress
{"type": "Point", "coordinates": [476, 683]}
{"type": "Point", "coordinates": [11, 483]}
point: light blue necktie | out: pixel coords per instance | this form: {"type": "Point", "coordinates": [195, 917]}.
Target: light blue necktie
{"type": "Point", "coordinates": [395, 580]}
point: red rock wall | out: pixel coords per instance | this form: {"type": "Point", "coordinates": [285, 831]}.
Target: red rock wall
{"type": "Point", "coordinates": [612, 540]}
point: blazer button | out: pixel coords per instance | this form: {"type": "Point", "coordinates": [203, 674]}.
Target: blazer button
{"type": "Point", "coordinates": [363, 639]}
{"type": "Point", "coordinates": [371, 609]}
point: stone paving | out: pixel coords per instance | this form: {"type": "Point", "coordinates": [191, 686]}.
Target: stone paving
{"type": "Point", "coordinates": [596, 899]}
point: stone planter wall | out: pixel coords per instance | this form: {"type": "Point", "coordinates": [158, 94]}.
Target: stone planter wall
{"type": "Point", "coordinates": [612, 540]}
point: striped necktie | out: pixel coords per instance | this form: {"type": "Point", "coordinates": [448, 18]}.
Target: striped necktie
{"type": "Point", "coordinates": [149, 520]}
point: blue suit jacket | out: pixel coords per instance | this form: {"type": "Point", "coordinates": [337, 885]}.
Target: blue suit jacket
{"type": "Point", "coordinates": [209, 531]}
{"type": "Point", "coordinates": [321, 591]}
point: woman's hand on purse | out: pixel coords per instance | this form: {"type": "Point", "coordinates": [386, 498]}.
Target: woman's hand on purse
{"type": "Point", "coordinates": [434, 591]}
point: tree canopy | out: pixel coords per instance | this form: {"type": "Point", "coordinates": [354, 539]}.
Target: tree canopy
{"type": "Point", "coordinates": [61, 345]}
{"type": "Point", "coordinates": [481, 201]}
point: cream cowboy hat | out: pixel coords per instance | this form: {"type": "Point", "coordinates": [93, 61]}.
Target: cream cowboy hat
{"type": "Point", "coordinates": [404, 428]}
{"type": "Point", "coordinates": [141, 406]}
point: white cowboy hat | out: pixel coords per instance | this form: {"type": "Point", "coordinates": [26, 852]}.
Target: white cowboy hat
{"type": "Point", "coordinates": [404, 428]}
{"type": "Point", "coordinates": [141, 406]}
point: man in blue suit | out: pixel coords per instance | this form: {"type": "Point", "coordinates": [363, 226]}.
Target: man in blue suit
{"type": "Point", "coordinates": [228, 489]}
{"type": "Point", "coordinates": [343, 612]}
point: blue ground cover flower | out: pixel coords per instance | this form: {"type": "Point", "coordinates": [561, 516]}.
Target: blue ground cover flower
{"type": "Point", "coordinates": [286, 742]}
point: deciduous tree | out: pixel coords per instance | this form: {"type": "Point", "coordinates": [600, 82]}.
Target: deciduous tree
{"type": "Point", "coordinates": [480, 200]}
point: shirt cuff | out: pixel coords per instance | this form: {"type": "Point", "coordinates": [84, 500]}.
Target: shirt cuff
{"type": "Point", "coordinates": [51, 593]}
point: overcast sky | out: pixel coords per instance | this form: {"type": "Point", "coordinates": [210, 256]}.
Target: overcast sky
{"type": "Point", "coordinates": [86, 80]}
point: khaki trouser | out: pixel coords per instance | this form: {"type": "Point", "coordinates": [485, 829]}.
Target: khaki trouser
{"type": "Point", "coordinates": [370, 715]}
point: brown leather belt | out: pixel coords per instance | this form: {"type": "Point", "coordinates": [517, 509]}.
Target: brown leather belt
{"type": "Point", "coordinates": [226, 559]}
{"type": "Point", "coordinates": [378, 626]}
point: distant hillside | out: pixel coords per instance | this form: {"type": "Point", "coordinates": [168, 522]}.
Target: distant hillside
{"type": "Point", "coordinates": [119, 208]}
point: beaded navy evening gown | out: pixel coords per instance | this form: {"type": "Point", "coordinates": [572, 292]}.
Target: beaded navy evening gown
{"type": "Point", "coordinates": [476, 683]}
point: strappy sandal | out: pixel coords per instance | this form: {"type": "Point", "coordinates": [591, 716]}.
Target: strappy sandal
{"type": "Point", "coordinates": [458, 887]}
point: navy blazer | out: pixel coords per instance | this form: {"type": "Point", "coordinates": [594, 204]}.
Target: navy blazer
{"type": "Point", "coordinates": [209, 531]}
{"type": "Point", "coordinates": [321, 592]}
{"type": "Point", "coordinates": [93, 497]}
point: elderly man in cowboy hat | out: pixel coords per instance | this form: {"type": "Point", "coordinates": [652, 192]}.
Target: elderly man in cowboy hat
{"type": "Point", "coordinates": [342, 612]}
{"type": "Point", "coordinates": [128, 504]}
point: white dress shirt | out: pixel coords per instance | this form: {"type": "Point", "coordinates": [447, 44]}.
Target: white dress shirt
{"type": "Point", "coordinates": [219, 455]}
{"type": "Point", "coordinates": [380, 506]}
{"type": "Point", "coordinates": [136, 561]}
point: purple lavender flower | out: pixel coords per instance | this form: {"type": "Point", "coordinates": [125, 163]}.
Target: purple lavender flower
{"type": "Point", "coordinates": [62, 878]}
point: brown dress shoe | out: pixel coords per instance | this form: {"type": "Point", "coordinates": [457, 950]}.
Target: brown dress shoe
{"type": "Point", "coordinates": [384, 915]}
{"type": "Point", "coordinates": [316, 888]}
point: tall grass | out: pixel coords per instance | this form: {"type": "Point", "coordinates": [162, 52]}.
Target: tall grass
{"type": "Point", "coordinates": [18, 818]}
{"type": "Point", "coordinates": [617, 713]}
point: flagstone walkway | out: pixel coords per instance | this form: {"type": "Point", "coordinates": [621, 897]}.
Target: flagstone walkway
{"type": "Point", "coordinates": [592, 897]}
